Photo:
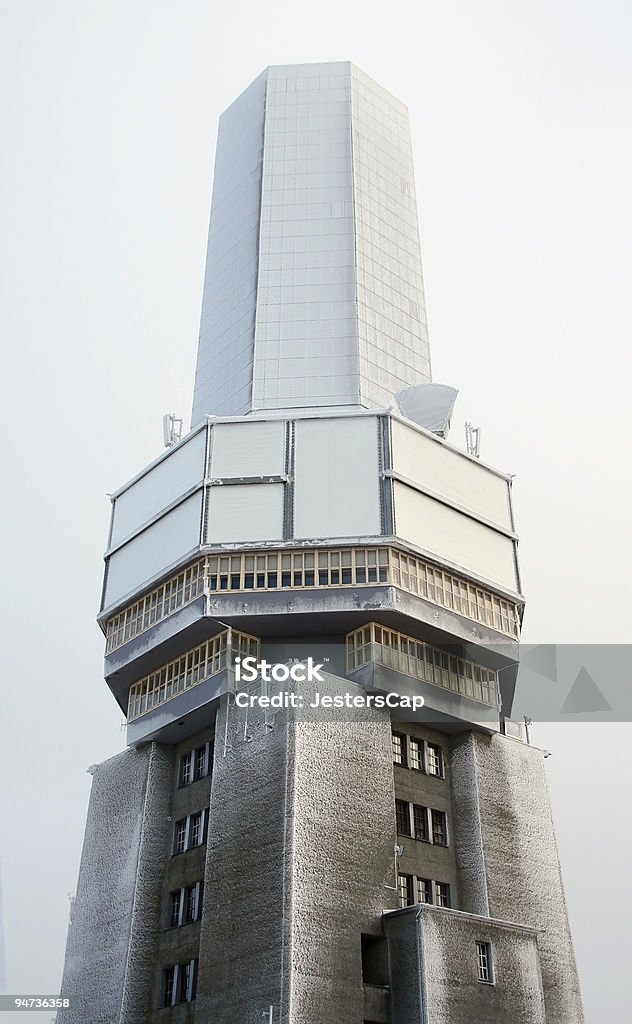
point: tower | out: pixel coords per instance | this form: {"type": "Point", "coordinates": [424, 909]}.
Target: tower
{"type": "Point", "coordinates": [348, 827]}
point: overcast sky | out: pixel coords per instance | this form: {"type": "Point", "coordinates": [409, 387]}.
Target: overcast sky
{"type": "Point", "coordinates": [520, 116]}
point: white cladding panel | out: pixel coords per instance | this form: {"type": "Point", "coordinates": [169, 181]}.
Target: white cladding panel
{"type": "Point", "coordinates": [154, 550]}
{"type": "Point", "coordinates": [337, 478]}
{"type": "Point", "coordinates": [174, 476]}
{"type": "Point", "coordinates": [454, 477]}
{"type": "Point", "coordinates": [454, 537]}
{"type": "Point", "coordinates": [248, 449]}
{"type": "Point", "coordinates": [245, 512]}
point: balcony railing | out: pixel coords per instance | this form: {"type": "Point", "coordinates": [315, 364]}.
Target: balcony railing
{"type": "Point", "coordinates": [189, 670]}
{"type": "Point", "coordinates": [375, 643]}
{"type": "Point", "coordinates": [306, 570]}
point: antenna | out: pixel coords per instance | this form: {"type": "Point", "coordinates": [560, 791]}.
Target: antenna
{"type": "Point", "coordinates": [171, 429]}
{"type": "Point", "coordinates": [473, 440]}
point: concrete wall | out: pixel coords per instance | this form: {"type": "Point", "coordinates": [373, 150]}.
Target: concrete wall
{"type": "Point", "coordinates": [112, 940]}
{"type": "Point", "coordinates": [524, 879]}
{"type": "Point", "coordinates": [300, 850]}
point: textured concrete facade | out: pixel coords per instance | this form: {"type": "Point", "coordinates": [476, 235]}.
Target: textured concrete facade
{"type": "Point", "coordinates": [112, 940]}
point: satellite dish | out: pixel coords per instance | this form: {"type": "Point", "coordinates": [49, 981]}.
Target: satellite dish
{"type": "Point", "coordinates": [428, 405]}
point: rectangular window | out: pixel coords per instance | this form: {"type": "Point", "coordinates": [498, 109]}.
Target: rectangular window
{"type": "Point", "coordinates": [200, 762]}
{"type": "Point", "coordinates": [176, 903]}
{"type": "Point", "coordinates": [484, 958]}
{"type": "Point", "coordinates": [196, 829]}
{"type": "Point", "coordinates": [439, 828]}
{"type": "Point", "coordinates": [168, 978]}
{"type": "Point", "coordinates": [193, 903]}
{"type": "Point", "coordinates": [186, 766]}
{"type": "Point", "coordinates": [399, 749]}
{"type": "Point", "coordinates": [420, 822]}
{"type": "Point", "coordinates": [180, 842]}
{"type": "Point", "coordinates": [402, 815]}
{"type": "Point", "coordinates": [424, 890]}
{"type": "Point", "coordinates": [434, 760]}
{"type": "Point", "coordinates": [442, 890]}
{"type": "Point", "coordinates": [416, 754]}
{"type": "Point", "coordinates": [405, 890]}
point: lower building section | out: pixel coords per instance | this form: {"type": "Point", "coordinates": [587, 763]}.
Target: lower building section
{"type": "Point", "coordinates": [300, 867]}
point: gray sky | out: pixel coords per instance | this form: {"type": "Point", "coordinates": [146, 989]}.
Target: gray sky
{"type": "Point", "coordinates": [520, 117]}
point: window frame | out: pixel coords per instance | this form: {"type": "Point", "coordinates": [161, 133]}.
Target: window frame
{"type": "Point", "coordinates": [485, 962]}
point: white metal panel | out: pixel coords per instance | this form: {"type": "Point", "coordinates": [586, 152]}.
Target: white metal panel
{"type": "Point", "coordinates": [453, 476]}
{"type": "Point", "coordinates": [248, 449]}
{"type": "Point", "coordinates": [155, 549]}
{"type": "Point", "coordinates": [337, 478]}
{"type": "Point", "coordinates": [245, 512]}
{"type": "Point", "coordinates": [450, 535]}
{"type": "Point", "coordinates": [175, 475]}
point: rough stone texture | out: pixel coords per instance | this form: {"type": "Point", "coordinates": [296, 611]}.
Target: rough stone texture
{"type": "Point", "coordinates": [112, 938]}
{"type": "Point", "coordinates": [454, 995]}
{"type": "Point", "coordinates": [466, 827]}
{"type": "Point", "coordinates": [300, 852]}
{"type": "Point", "coordinates": [247, 897]}
{"type": "Point", "coordinates": [524, 880]}
{"type": "Point", "coordinates": [344, 834]}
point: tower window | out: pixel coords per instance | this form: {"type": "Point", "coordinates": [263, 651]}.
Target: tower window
{"type": "Point", "coordinates": [190, 832]}
{"type": "Point", "coordinates": [176, 902]}
{"type": "Point", "coordinates": [402, 815]}
{"type": "Point", "coordinates": [439, 828]}
{"type": "Point", "coordinates": [442, 891]}
{"type": "Point", "coordinates": [434, 760]}
{"type": "Point", "coordinates": [399, 749]}
{"type": "Point", "coordinates": [484, 958]}
{"type": "Point", "coordinates": [168, 984]}
{"type": "Point", "coordinates": [424, 890]}
{"type": "Point", "coordinates": [416, 754]}
{"type": "Point", "coordinates": [405, 889]}
{"type": "Point", "coordinates": [180, 843]}
{"type": "Point", "coordinates": [420, 821]}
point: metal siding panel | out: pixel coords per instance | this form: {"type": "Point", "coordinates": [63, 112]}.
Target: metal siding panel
{"type": "Point", "coordinates": [153, 550]}
{"type": "Point", "coordinates": [337, 478]}
{"type": "Point", "coordinates": [453, 476]}
{"type": "Point", "coordinates": [455, 537]}
{"type": "Point", "coordinates": [248, 449]}
{"type": "Point", "coordinates": [175, 475]}
{"type": "Point", "coordinates": [245, 512]}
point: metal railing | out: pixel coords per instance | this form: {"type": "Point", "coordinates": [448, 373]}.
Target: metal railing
{"type": "Point", "coordinates": [329, 568]}
{"type": "Point", "coordinates": [189, 670]}
{"type": "Point", "coordinates": [375, 643]}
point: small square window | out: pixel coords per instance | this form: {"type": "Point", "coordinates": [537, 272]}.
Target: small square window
{"type": "Point", "coordinates": [484, 961]}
